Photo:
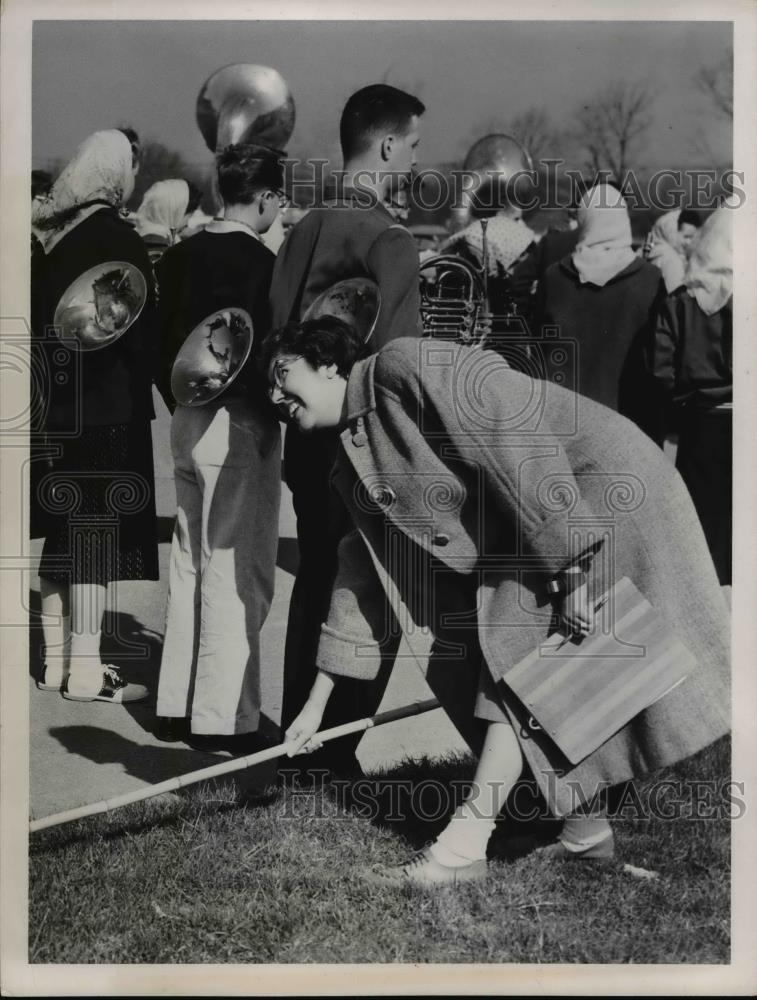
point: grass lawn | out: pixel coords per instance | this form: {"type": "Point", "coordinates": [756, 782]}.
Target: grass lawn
{"type": "Point", "coordinates": [205, 876]}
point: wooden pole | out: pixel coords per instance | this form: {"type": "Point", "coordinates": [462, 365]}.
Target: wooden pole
{"type": "Point", "coordinates": [228, 766]}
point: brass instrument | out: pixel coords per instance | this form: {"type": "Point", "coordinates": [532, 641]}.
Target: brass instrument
{"type": "Point", "coordinates": [211, 357]}
{"type": "Point", "coordinates": [244, 103]}
{"type": "Point", "coordinates": [100, 305]}
{"type": "Point", "coordinates": [355, 301]}
{"type": "Point", "coordinates": [241, 103]}
{"type": "Point", "coordinates": [500, 168]}
{"type": "Point", "coordinates": [453, 299]}
{"type": "Point", "coordinates": [454, 290]}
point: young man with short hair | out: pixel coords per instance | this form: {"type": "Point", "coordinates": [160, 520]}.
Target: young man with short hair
{"type": "Point", "coordinates": [353, 236]}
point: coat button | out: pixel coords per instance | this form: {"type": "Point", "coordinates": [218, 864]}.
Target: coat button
{"type": "Point", "coordinates": [359, 438]}
{"type": "Point", "coordinates": [440, 540]}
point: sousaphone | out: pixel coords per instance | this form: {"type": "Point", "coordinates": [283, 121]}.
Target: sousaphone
{"type": "Point", "coordinates": [211, 357]}
{"type": "Point", "coordinates": [355, 301]}
{"type": "Point", "coordinates": [240, 103]}
{"type": "Point", "coordinates": [498, 168]}
{"type": "Point", "coordinates": [100, 305]}
{"type": "Point", "coordinates": [454, 291]}
{"type": "Point", "coordinates": [245, 103]}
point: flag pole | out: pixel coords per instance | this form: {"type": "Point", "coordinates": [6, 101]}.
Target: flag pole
{"type": "Point", "coordinates": [228, 766]}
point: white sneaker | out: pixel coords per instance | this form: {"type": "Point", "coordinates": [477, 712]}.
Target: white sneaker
{"type": "Point", "coordinates": [112, 688]}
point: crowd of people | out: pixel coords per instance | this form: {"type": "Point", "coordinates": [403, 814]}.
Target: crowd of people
{"type": "Point", "coordinates": [370, 428]}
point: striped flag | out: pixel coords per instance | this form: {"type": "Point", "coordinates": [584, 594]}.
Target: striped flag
{"type": "Point", "coordinates": [581, 691]}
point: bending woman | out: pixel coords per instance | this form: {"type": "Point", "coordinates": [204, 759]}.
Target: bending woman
{"type": "Point", "coordinates": [477, 491]}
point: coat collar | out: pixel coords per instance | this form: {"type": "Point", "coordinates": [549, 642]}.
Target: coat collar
{"type": "Point", "coordinates": [361, 395]}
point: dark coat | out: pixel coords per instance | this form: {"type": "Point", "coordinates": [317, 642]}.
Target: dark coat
{"type": "Point", "coordinates": [552, 247]}
{"type": "Point", "coordinates": [607, 331]}
{"type": "Point", "coordinates": [112, 385]}
{"type": "Point", "coordinates": [693, 352]}
{"type": "Point", "coordinates": [495, 476]}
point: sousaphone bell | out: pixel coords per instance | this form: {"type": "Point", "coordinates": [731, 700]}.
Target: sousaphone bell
{"type": "Point", "coordinates": [211, 357]}
{"type": "Point", "coordinates": [355, 301]}
{"type": "Point", "coordinates": [244, 103]}
{"type": "Point", "coordinates": [499, 168]}
{"type": "Point", "coordinates": [100, 305]}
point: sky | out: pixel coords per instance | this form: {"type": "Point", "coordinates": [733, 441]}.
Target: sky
{"type": "Point", "coordinates": [89, 75]}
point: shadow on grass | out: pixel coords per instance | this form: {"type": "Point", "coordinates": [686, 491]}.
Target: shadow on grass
{"type": "Point", "coordinates": [149, 764]}
{"type": "Point", "coordinates": [416, 798]}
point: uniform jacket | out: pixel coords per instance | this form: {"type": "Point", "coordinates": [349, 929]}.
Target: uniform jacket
{"type": "Point", "coordinates": [455, 465]}
{"type": "Point", "coordinates": [204, 273]}
{"type": "Point", "coordinates": [349, 241]}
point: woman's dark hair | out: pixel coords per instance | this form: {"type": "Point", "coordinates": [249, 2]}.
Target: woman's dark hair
{"type": "Point", "coordinates": [195, 197]}
{"type": "Point", "coordinates": [133, 137]}
{"type": "Point", "coordinates": [247, 169]}
{"type": "Point", "coordinates": [375, 110]}
{"type": "Point", "coordinates": [689, 216]}
{"type": "Point", "coordinates": [324, 341]}
{"type": "Point", "coordinates": [42, 181]}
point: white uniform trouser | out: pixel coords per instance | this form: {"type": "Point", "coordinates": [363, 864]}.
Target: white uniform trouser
{"type": "Point", "coordinates": [227, 459]}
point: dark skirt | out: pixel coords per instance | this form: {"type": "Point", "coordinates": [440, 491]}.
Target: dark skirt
{"type": "Point", "coordinates": [96, 501]}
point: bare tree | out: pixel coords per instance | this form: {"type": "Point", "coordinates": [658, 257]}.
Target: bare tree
{"type": "Point", "coordinates": [158, 163]}
{"type": "Point", "coordinates": [611, 126]}
{"type": "Point", "coordinates": [716, 83]}
{"type": "Point", "coordinates": [532, 128]}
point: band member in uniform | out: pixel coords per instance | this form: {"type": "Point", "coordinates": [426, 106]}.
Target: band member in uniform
{"type": "Point", "coordinates": [355, 236]}
{"type": "Point", "coordinates": [227, 467]}
{"type": "Point", "coordinates": [98, 421]}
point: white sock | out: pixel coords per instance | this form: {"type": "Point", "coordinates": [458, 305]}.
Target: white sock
{"type": "Point", "coordinates": [86, 669]}
{"type": "Point", "coordinates": [579, 833]}
{"type": "Point", "coordinates": [464, 839]}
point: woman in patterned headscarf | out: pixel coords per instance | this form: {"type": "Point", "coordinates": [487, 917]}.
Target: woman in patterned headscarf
{"type": "Point", "coordinates": [603, 300]}
{"type": "Point", "coordinates": [693, 360]}
{"type": "Point", "coordinates": [507, 239]}
{"type": "Point", "coordinates": [96, 495]}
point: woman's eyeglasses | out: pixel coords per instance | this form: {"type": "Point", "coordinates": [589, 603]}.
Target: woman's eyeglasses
{"type": "Point", "coordinates": [279, 372]}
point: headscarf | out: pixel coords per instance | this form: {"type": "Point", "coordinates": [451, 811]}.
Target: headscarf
{"type": "Point", "coordinates": [100, 173]}
{"type": "Point", "coordinates": [506, 240]}
{"type": "Point", "coordinates": [604, 236]}
{"type": "Point", "coordinates": [709, 274]}
{"type": "Point", "coordinates": [666, 251]}
{"type": "Point", "coordinates": [163, 209]}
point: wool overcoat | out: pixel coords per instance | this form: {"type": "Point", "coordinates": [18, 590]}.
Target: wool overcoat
{"type": "Point", "coordinates": [463, 474]}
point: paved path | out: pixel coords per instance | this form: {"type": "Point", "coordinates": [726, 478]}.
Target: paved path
{"type": "Point", "coordinates": [84, 752]}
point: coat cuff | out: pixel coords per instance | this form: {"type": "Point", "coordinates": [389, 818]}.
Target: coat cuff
{"type": "Point", "coordinates": [347, 656]}
{"type": "Point", "coordinates": [562, 541]}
